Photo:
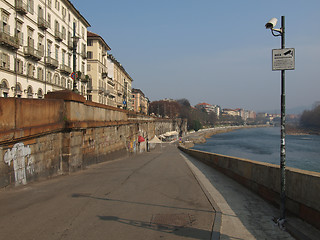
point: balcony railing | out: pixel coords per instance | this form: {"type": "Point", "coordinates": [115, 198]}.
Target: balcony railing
{"type": "Point", "coordinates": [51, 62]}
{"type": "Point", "coordinates": [42, 23]}
{"type": "Point", "coordinates": [111, 82]}
{"type": "Point", "coordinates": [58, 35]}
{"type": "Point", "coordinates": [7, 40]}
{"type": "Point", "coordinates": [65, 69]}
{"type": "Point", "coordinates": [33, 53]}
{"type": "Point", "coordinates": [21, 7]}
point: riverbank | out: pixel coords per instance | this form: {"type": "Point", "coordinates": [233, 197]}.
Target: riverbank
{"type": "Point", "coordinates": [200, 136]}
{"type": "Point", "coordinates": [296, 130]}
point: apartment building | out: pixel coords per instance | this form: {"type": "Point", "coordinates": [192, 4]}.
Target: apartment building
{"type": "Point", "coordinates": [123, 83]}
{"type": "Point", "coordinates": [101, 87]}
{"type": "Point", "coordinates": [37, 42]}
{"type": "Point", "coordinates": [209, 108]}
{"type": "Point", "coordinates": [140, 101]}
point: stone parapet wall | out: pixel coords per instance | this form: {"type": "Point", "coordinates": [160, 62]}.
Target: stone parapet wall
{"type": "Point", "coordinates": [302, 187]}
{"type": "Point", "coordinates": [41, 138]}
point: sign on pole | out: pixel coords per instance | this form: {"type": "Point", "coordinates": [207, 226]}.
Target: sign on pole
{"type": "Point", "coordinates": [283, 59]}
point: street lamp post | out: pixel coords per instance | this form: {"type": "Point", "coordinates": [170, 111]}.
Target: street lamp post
{"type": "Point", "coordinates": [74, 52]}
{"type": "Point", "coordinates": [281, 32]}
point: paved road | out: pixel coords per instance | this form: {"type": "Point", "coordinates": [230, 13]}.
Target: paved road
{"type": "Point", "coordinates": [147, 196]}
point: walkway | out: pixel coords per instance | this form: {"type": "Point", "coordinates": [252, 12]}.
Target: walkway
{"type": "Point", "coordinates": [153, 195]}
{"type": "Point", "coordinates": [241, 213]}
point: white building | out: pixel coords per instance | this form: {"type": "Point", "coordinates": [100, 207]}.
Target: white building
{"type": "Point", "coordinates": [36, 47]}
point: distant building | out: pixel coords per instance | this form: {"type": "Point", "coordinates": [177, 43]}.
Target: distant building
{"type": "Point", "coordinates": [231, 112]}
{"type": "Point", "coordinates": [140, 101]}
{"type": "Point", "coordinates": [123, 83]}
{"type": "Point", "coordinates": [100, 86]}
{"type": "Point", "coordinates": [209, 108]}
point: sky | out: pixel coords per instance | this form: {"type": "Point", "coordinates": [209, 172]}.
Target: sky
{"type": "Point", "coordinates": [217, 52]}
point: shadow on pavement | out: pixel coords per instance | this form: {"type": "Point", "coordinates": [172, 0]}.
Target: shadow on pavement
{"type": "Point", "coordinates": [85, 195]}
{"type": "Point", "coordinates": [183, 231]}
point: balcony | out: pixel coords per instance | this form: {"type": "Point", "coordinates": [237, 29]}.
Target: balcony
{"type": "Point", "coordinates": [84, 54]}
{"type": "Point", "coordinates": [82, 77]}
{"type": "Point", "coordinates": [111, 83]}
{"type": "Point", "coordinates": [104, 75]}
{"type": "Point", "coordinates": [51, 62]}
{"type": "Point", "coordinates": [58, 35]}
{"type": "Point", "coordinates": [31, 52]}
{"type": "Point", "coordinates": [42, 23]}
{"type": "Point", "coordinates": [101, 90]}
{"type": "Point", "coordinates": [106, 92]}
{"type": "Point", "coordinates": [21, 7]}
{"type": "Point", "coordinates": [7, 40]}
{"type": "Point", "coordinates": [65, 69]}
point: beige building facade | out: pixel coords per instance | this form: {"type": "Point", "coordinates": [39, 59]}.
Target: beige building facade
{"type": "Point", "coordinates": [123, 84]}
{"type": "Point", "coordinates": [36, 47]}
{"type": "Point", "coordinates": [140, 101]}
{"type": "Point", "coordinates": [100, 87]}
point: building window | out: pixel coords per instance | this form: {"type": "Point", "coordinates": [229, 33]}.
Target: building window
{"type": "Point", "coordinates": [49, 20]}
{"type": "Point", "coordinates": [63, 82]}
{"type": "Point", "coordinates": [88, 67]}
{"type": "Point", "coordinates": [19, 33]}
{"type": "Point", "coordinates": [4, 88]}
{"type": "Point", "coordinates": [90, 55]}
{"type": "Point", "coordinates": [56, 79]}
{"type": "Point", "coordinates": [57, 5]}
{"type": "Point", "coordinates": [49, 3]}
{"type": "Point", "coordinates": [64, 33]}
{"type": "Point", "coordinates": [40, 73]}
{"type": "Point", "coordinates": [90, 43]}
{"type": "Point", "coordinates": [40, 93]}
{"type": "Point", "coordinates": [63, 57]}
{"type": "Point", "coordinates": [30, 70]}
{"type": "Point", "coordinates": [30, 6]}
{"type": "Point", "coordinates": [57, 53]}
{"type": "Point", "coordinates": [49, 49]}
{"type": "Point", "coordinates": [29, 92]}
{"type": "Point", "coordinates": [4, 60]}
{"type": "Point", "coordinates": [4, 23]}
{"type": "Point", "coordinates": [49, 77]}
{"type": "Point", "coordinates": [19, 66]}
{"type": "Point", "coordinates": [64, 13]}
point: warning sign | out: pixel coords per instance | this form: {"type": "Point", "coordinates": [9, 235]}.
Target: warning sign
{"type": "Point", "coordinates": [283, 59]}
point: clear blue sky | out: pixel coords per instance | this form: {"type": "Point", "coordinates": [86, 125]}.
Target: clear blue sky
{"type": "Point", "coordinates": [217, 52]}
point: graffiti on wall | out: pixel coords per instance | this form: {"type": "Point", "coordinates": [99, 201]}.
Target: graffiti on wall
{"type": "Point", "coordinates": [22, 162]}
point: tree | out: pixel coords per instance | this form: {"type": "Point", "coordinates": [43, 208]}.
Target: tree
{"type": "Point", "coordinates": [310, 119]}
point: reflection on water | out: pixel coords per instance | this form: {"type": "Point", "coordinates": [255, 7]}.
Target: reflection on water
{"type": "Point", "coordinates": [263, 144]}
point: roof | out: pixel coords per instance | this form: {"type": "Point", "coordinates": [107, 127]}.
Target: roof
{"type": "Point", "coordinates": [78, 13]}
{"type": "Point", "coordinates": [91, 35]}
{"type": "Point", "coordinates": [203, 104]}
{"type": "Point", "coordinates": [135, 90]}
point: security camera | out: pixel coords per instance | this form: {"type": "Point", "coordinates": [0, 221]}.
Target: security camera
{"type": "Point", "coordinates": [272, 23]}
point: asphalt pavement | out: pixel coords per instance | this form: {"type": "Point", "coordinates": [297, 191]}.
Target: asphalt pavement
{"type": "Point", "coordinates": [153, 195]}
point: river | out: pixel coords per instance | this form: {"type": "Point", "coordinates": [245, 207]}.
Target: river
{"type": "Point", "coordinates": [263, 144]}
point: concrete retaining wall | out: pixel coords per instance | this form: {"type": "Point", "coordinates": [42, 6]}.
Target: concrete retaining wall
{"type": "Point", "coordinates": [302, 187]}
{"type": "Point", "coordinates": [41, 138]}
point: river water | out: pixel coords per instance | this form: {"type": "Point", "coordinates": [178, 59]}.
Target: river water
{"type": "Point", "coordinates": [263, 144]}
